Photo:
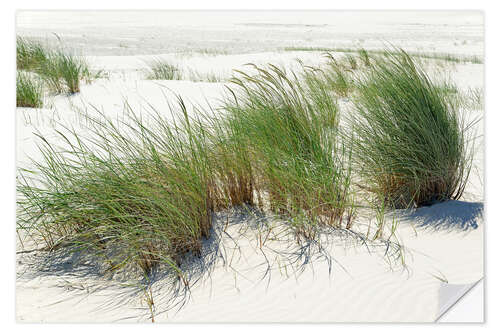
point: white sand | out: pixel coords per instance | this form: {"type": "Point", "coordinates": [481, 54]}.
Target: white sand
{"type": "Point", "coordinates": [444, 243]}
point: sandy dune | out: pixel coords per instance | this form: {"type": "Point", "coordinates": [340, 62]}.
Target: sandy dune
{"type": "Point", "coordinates": [341, 281]}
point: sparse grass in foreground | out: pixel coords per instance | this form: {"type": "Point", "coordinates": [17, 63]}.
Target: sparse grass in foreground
{"type": "Point", "coordinates": [136, 194]}
{"type": "Point", "coordinates": [160, 69]}
{"type": "Point", "coordinates": [476, 98]}
{"type": "Point", "coordinates": [470, 99]}
{"type": "Point", "coordinates": [409, 143]}
{"type": "Point", "coordinates": [28, 91]}
{"type": "Point", "coordinates": [351, 60]}
{"type": "Point", "coordinates": [364, 57]}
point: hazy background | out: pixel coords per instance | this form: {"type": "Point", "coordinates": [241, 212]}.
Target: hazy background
{"type": "Point", "coordinates": [158, 32]}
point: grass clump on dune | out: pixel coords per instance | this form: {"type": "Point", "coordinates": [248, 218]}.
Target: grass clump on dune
{"type": "Point", "coordinates": [142, 192]}
{"type": "Point", "coordinates": [162, 70]}
{"type": "Point", "coordinates": [60, 71]}
{"type": "Point", "coordinates": [30, 55]}
{"type": "Point", "coordinates": [29, 91]}
{"type": "Point", "coordinates": [137, 194]}
{"type": "Point", "coordinates": [409, 143]}
{"type": "Point", "coordinates": [286, 134]}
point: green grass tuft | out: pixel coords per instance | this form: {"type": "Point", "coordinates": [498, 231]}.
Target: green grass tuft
{"type": "Point", "coordinates": [60, 71]}
{"type": "Point", "coordinates": [162, 70]}
{"type": "Point", "coordinates": [409, 142]}
{"type": "Point", "coordinates": [286, 139]}
{"type": "Point", "coordinates": [142, 192]}
{"type": "Point", "coordinates": [30, 55]}
{"type": "Point", "coordinates": [29, 91]}
{"type": "Point", "coordinates": [135, 193]}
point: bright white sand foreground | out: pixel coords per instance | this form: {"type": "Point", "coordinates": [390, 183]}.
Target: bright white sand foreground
{"type": "Point", "coordinates": [361, 286]}
{"type": "Point", "coordinates": [345, 281]}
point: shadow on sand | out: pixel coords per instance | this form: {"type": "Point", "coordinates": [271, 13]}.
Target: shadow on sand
{"type": "Point", "coordinates": [84, 273]}
{"type": "Point", "coordinates": [451, 215]}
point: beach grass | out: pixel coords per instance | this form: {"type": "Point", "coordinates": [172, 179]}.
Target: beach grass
{"type": "Point", "coordinates": [364, 57]}
{"type": "Point", "coordinates": [211, 51]}
{"type": "Point", "coordinates": [338, 77]}
{"type": "Point", "coordinates": [142, 191]}
{"type": "Point", "coordinates": [60, 70]}
{"type": "Point", "coordinates": [196, 76]}
{"type": "Point", "coordinates": [475, 97]}
{"type": "Point", "coordinates": [160, 69]}
{"type": "Point", "coordinates": [30, 55]}
{"type": "Point", "coordinates": [351, 60]}
{"type": "Point", "coordinates": [136, 194]}
{"type": "Point", "coordinates": [286, 134]}
{"type": "Point", "coordinates": [29, 91]}
{"type": "Point", "coordinates": [470, 99]}
{"type": "Point", "coordinates": [474, 59]}
{"type": "Point", "coordinates": [409, 143]}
